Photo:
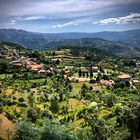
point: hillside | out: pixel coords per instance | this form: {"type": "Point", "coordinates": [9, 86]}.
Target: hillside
{"type": "Point", "coordinates": [30, 40]}
{"type": "Point", "coordinates": [20, 36]}
{"type": "Point", "coordinates": [109, 47]}
{"type": "Point", "coordinates": [132, 37]}
{"type": "Point", "coordinates": [8, 47]}
{"type": "Point", "coordinates": [68, 91]}
{"type": "Point", "coordinates": [43, 41]}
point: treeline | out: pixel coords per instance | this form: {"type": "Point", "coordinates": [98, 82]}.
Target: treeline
{"type": "Point", "coordinates": [90, 53]}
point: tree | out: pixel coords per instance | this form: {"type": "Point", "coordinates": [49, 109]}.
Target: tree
{"type": "Point", "coordinates": [32, 114]}
{"type": "Point", "coordinates": [26, 131]}
{"type": "Point", "coordinates": [105, 77]}
{"type": "Point", "coordinates": [80, 73]}
{"type": "Point", "coordinates": [98, 126]}
{"type": "Point", "coordinates": [54, 107]}
{"type": "Point", "coordinates": [98, 77]}
{"type": "Point", "coordinates": [31, 99]}
{"type": "Point", "coordinates": [109, 100]}
{"type": "Point", "coordinates": [91, 74]}
{"type": "Point", "coordinates": [14, 76]}
{"type": "Point", "coordinates": [70, 87]}
{"type": "Point", "coordinates": [129, 116]}
{"type": "Point", "coordinates": [26, 76]}
{"type": "Point", "coordinates": [3, 67]}
{"type": "Point", "coordinates": [57, 61]}
{"type": "Point", "coordinates": [87, 74]}
{"type": "Point", "coordinates": [83, 91]}
{"type": "Point", "coordinates": [92, 81]}
{"type": "Point", "coordinates": [52, 130]}
{"type": "Point", "coordinates": [60, 97]}
{"type": "Point", "coordinates": [127, 83]}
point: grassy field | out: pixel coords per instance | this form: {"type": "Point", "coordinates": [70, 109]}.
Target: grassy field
{"type": "Point", "coordinates": [77, 87]}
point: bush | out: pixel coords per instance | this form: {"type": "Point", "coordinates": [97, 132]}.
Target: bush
{"type": "Point", "coordinates": [32, 114]}
{"type": "Point", "coordinates": [26, 131]}
{"type": "Point", "coordinates": [21, 99]}
{"type": "Point", "coordinates": [54, 107]}
{"type": "Point", "coordinates": [22, 104]}
{"type": "Point", "coordinates": [52, 130]}
{"type": "Point", "coordinates": [92, 81]}
{"type": "Point", "coordinates": [9, 116]}
{"type": "Point", "coordinates": [11, 103]}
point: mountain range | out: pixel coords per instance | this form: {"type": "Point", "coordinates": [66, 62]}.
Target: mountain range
{"type": "Point", "coordinates": [120, 43]}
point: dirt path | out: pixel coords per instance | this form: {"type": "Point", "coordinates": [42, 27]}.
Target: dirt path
{"type": "Point", "coordinates": [6, 127]}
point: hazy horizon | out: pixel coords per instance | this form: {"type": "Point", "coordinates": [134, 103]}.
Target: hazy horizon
{"type": "Point", "coordinates": [67, 32]}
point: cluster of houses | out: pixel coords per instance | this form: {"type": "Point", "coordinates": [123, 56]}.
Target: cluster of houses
{"type": "Point", "coordinates": [20, 59]}
{"type": "Point", "coordinates": [109, 83]}
{"type": "Point", "coordinates": [30, 63]}
{"type": "Point", "coordinates": [85, 77]}
{"type": "Point", "coordinates": [33, 64]}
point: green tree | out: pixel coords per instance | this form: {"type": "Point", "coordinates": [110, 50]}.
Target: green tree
{"type": "Point", "coordinates": [91, 74]}
{"type": "Point", "coordinates": [26, 131]}
{"type": "Point", "coordinates": [80, 73]}
{"type": "Point", "coordinates": [54, 107]}
{"type": "Point", "coordinates": [3, 66]}
{"type": "Point", "coordinates": [52, 130]}
{"type": "Point", "coordinates": [98, 127]}
{"type": "Point", "coordinates": [109, 100]}
{"type": "Point", "coordinates": [32, 114]}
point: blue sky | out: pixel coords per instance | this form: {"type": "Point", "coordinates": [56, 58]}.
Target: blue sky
{"type": "Point", "coordinates": [51, 16]}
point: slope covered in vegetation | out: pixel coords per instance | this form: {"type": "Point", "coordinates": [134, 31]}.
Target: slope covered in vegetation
{"type": "Point", "coordinates": [69, 93]}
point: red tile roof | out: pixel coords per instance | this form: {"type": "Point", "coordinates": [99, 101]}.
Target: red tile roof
{"type": "Point", "coordinates": [35, 67]}
{"type": "Point", "coordinates": [42, 71]}
{"type": "Point", "coordinates": [106, 82]}
{"type": "Point", "coordinates": [124, 76]}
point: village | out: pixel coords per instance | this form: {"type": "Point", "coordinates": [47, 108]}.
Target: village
{"type": "Point", "coordinates": [91, 74]}
{"type": "Point", "coordinates": [40, 85]}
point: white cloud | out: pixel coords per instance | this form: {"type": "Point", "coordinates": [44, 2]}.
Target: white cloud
{"type": "Point", "coordinates": [131, 18]}
{"type": "Point", "coordinates": [76, 22]}
{"type": "Point", "coordinates": [12, 22]}
{"type": "Point", "coordinates": [31, 18]}
{"type": "Point", "coordinates": [95, 22]}
{"type": "Point", "coordinates": [65, 24]}
{"type": "Point", "coordinates": [61, 8]}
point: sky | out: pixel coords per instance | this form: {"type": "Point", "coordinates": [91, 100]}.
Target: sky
{"type": "Point", "coordinates": [55, 16]}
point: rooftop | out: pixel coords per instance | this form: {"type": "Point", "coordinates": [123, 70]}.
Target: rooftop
{"type": "Point", "coordinates": [124, 76]}
{"type": "Point", "coordinates": [106, 82]}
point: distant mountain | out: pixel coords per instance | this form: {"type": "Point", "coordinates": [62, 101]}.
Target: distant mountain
{"type": "Point", "coordinates": [130, 39]}
{"type": "Point", "coordinates": [26, 38]}
{"type": "Point", "coordinates": [109, 47]}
